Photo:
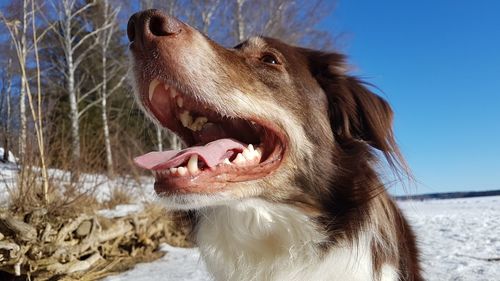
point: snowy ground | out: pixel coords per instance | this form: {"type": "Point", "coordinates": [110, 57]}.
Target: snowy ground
{"type": "Point", "coordinates": [99, 185]}
{"type": "Point", "coordinates": [456, 236]}
{"type": "Point", "coordinates": [177, 265]}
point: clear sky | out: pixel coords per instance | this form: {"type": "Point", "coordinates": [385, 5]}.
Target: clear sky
{"type": "Point", "coordinates": [438, 64]}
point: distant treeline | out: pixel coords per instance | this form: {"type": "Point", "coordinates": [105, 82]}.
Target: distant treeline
{"type": "Point", "coordinates": [449, 195]}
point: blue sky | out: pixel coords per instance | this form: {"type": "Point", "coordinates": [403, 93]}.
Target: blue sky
{"type": "Point", "coordinates": [438, 64]}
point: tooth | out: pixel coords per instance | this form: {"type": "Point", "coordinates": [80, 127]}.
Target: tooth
{"type": "Point", "coordinates": [152, 87]}
{"type": "Point", "coordinates": [250, 147]}
{"type": "Point", "coordinates": [180, 101]}
{"type": "Point", "coordinates": [258, 152]}
{"type": "Point", "coordinates": [186, 119]}
{"type": "Point", "coordinates": [198, 123]}
{"type": "Point", "coordinates": [226, 161]}
{"type": "Point", "coordinates": [192, 165]}
{"type": "Point", "coordinates": [173, 92]}
{"type": "Point", "coordinates": [247, 154]}
{"type": "Point", "coordinates": [182, 171]}
{"type": "Point", "coordinates": [173, 170]}
{"type": "Point", "coordinates": [239, 159]}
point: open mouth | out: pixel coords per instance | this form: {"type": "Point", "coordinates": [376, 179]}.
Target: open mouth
{"type": "Point", "coordinates": [220, 149]}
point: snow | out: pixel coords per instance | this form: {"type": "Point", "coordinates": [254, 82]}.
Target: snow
{"type": "Point", "coordinates": [121, 211]}
{"type": "Point", "coordinates": [11, 158]}
{"type": "Point", "coordinates": [8, 174]}
{"type": "Point", "coordinates": [99, 185]}
{"type": "Point", "coordinates": [178, 264]}
{"type": "Point", "coordinates": [455, 237]}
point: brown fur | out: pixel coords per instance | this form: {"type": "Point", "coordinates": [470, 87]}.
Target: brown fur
{"type": "Point", "coordinates": [333, 181]}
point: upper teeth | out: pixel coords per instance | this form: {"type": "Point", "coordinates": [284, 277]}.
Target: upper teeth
{"type": "Point", "coordinates": [187, 121]}
{"type": "Point", "coordinates": [198, 123]}
{"type": "Point", "coordinates": [173, 92]}
{"type": "Point", "coordinates": [185, 116]}
{"type": "Point", "coordinates": [152, 87]}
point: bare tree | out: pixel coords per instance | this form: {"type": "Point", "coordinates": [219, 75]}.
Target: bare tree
{"type": "Point", "coordinates": [207, 10]}
{"type": "Point", "coordinates": [5, 102]}
{"type": "Point", "coordinates": [104, 38]}
{"type": "Point", "coordinates": [76, 42]}
{"type": "Point", "coordinates": [22, 96]}
{"type": "Point", "coordinates": [35, 106]}
{"type": "Point", "coordinates": [20, 37]}
{"type": "Point", "coordinates": [292, 21]}
{"type": "Point", "coordinates": [239, 20]}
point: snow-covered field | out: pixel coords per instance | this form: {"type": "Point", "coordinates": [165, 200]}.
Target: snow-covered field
{"type": "Point", "coordinates": [456, 236]}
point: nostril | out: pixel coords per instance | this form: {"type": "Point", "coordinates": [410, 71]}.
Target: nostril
{"type": "Point", "coordinates": [131, 29]}
{"type": "Point", "coordinates": [161, 25]}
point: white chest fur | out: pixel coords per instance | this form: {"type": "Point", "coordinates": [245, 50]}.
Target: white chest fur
{"type": "Point", "coordinates": [257, 240]}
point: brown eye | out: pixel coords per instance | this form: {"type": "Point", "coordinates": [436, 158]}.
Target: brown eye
{"type": "Point", "coordinates": [270, 59]}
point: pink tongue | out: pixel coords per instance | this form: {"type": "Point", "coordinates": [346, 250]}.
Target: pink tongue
{"type": "Point", "coordinates": [212, 154]}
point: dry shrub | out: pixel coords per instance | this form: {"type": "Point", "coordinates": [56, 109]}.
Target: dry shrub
{"type": "Point", "coordinates": [118, 196]}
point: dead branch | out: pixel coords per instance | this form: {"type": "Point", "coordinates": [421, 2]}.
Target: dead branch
{"type": "Point", "coordinates": [74, 266]}
{"type": "Point", "coordinates": [22, 231]}
{"type": "Point", "coordinates": [83, 248]}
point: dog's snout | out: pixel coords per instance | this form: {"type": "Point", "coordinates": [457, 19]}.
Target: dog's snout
{"type": "Point", "coordinates": [150, 25]}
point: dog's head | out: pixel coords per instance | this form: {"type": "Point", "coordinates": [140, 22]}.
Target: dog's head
{"type": "Point", "coordinates": [262, 119]}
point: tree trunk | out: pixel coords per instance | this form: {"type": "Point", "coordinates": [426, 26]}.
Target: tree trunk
{"type": "Point", "coordinates": [73, 102]}
{"type": "Point", "coordinates": [75, 126]}
{"type": "Point", "coordinates": [240, 21]}
{"type": "Point", "coordinates": [104, 115]}
{"type": "Point", "coordinates": [22, 95]}
{"type": "Point", "coordinates": [159, 138]}
{"type": "Point", "coordinates": [6, 125]}
{"type": "Point", "coordinates": [175, 142]}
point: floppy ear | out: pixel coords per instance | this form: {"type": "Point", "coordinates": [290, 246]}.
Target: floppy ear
{"type": "Point", "coordinates": [355, 112]}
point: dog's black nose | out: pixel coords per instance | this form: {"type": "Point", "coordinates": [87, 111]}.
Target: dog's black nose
{"type": "Point", "coordinates": [151, 24]}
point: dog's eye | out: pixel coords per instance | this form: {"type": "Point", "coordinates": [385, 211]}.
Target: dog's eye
{"type": "Point", "coordinates": [269, 58]}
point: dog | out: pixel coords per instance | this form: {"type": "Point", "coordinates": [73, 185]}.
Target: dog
{"type": "Point", "coordinates": [279, 172]}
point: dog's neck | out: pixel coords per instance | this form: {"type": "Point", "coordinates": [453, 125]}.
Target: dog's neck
{"type": "Point", "coordinates": [257, 240]}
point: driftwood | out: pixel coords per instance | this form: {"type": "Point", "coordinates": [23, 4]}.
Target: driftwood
{"type": "Point", "coordinates": [86, 247]}
{"type": "Point", "coordinates": [19, 229]}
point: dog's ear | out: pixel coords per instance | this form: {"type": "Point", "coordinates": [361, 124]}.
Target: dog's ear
{"type": "Point", "coordinates": [355, 112]}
